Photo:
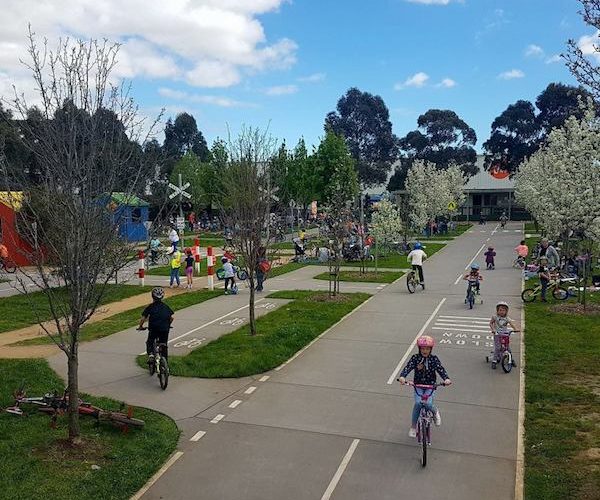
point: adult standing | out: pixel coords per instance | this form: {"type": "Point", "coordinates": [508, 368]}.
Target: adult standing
{"type": "Point", "coordinates": [551, 254]}
{"type": "Point", "coordinates": [175, 264]}
{"type": "Point", "coordinates": [261, 266]}
{"type": "Point", "coordinates": [174, 238]}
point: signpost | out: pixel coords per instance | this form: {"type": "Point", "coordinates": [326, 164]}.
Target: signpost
{"type": "Point", "coordinates": [182, 193]}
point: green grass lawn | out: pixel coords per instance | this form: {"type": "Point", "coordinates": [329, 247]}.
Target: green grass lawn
{"type": "Point", "coordinates": [562, 419]}
{"type": "Point", "coordinates": [395, 260]}
{"type": "Point", "coordinates": [36, 463]}
{"type": "Point", "coordinates": [368, 277]}
{"type": "Point", "coordinates": [19, 311]}
{"type": "Point", "coordinates": [237, 354]}
{"type": "Point", "coordinates": [285, 268]}
{"type": "Point", "coordinates": [530, 228]}
{"type": "Point", "coordinates": [166, 270]}
{"type": "Point", "coordinates": [127, 319]}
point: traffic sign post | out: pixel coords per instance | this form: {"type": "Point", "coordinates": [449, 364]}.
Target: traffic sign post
{"type": "Point", "coordinates": [182, 193]}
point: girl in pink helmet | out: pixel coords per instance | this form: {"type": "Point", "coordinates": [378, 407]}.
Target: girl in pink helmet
{"type": "Point", "coordinates": [425, 366]}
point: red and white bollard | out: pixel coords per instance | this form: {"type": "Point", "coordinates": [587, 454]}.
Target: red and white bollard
{"type": "Point", "coordinates": [197, 245]}
{"type": "Point", "coordinates": [141, 267]}
{"type": "Point", "coordinates": [210, 262]}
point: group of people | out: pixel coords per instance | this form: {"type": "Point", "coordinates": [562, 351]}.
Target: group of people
{"type": "Point", "coordinates": [426, 366]}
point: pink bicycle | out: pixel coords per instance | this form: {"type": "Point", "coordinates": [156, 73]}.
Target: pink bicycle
{"type": "Point", "coordinates": [426, 416]}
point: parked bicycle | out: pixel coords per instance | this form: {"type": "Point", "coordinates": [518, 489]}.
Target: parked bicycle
{"type": "Point", "coordinates": [8, 266]}
{"type": "Point", "coordinates": [55, 404]}
{"type": "Point", "coordinates": [157, 362]}
{"type": "Point", "coordinates": [426, 417]}
{"type": "Point", "coordinates": [506, 357]}
{"type": "Point", "coordinates": [554, 287]}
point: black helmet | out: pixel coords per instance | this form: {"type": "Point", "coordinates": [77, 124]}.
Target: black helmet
{"type": "Point", "coordinates": [158, 293]}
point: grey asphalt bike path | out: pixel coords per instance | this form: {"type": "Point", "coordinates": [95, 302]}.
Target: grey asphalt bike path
{"type": "Point", "coordinates": [328, 424]}
{"type": "Point", "coordinates": [108, 365]}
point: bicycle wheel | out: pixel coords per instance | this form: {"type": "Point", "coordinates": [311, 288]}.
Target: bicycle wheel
{"type": "Point", "coordinates": [163, 373]}
{"type": "Point", "coordinates": [124, 419]}
{"type": "Point", "coordinates": [506, 362]}
{"type": "Point", "coordinates": [410, 283]}
{"type": "Point", "coordinates": [10, 267]}
{"type": "Point", "coordinates": [423, 431]}
{"type": "Point", "coordinates": [471, 300]}
{"type": "Point", "coordinates": [529, 295]}
{"type": "Point", "coordinates": [559, 293]}
{"type": "Point", "coordinates": [242, 275]}
{"type": "Point", "coordinates": [151, 367]}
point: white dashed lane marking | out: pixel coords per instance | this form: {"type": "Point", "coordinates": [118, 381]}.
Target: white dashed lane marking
{"type": "Point", "coordinates": [217, 419]}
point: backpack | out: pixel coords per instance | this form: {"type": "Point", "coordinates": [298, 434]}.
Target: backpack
{"type": "Point", "coordinates": [264, 266]}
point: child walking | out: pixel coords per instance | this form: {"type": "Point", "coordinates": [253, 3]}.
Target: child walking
{"type": "Point", "coordinates": [425, 366]}
{"type": "Point", "coordinates": [229, 275]}
{"type": "Point", "coordinates": [489, 258]}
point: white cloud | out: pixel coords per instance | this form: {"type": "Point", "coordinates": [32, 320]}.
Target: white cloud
{"type": "Point", "coordinates": [511, 75]}
{"type": "Point", "coordinates": [447, 83]}
{"type": "Point", "coordinates": [281, 90]}
{"type": "Point", "coordinates": [589, 43]}
{"type": "Point", "coordinates": [554, 59]}
{"type": "Point", "coordinates": [314, 78]}
{"type": "Point", "coordinates": [534, 51]}
{"type": "Point", "coordinates": [209, 43]}
{"type": "Point", "coordinates": [418, 80]}
{"type": "Point", "coordinates": [179, 95]}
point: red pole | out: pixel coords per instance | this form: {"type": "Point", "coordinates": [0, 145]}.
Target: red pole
{"type": "Point", "coordinates": [197, 256]}
{"type": "Point", "coordinates": [210, 262]}
{"type": "Point", "coordinates": [141, 267]}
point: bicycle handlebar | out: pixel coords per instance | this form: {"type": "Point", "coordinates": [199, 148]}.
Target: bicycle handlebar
{"type": "Point", "coordinates": [423, 386]}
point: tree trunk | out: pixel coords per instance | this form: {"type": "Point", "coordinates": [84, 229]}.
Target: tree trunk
{"type": "Point", "coordinates": [73, 392]}
{"type": "Point", "coordinates": [251, 309]}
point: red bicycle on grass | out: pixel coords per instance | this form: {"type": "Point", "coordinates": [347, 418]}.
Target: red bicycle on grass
{"type": "Point", "coordinates": [426, 416]}
{"type": "Point", "coordinates": [8, 266]}
{"type": "Point", "coordinates": [54, 404]}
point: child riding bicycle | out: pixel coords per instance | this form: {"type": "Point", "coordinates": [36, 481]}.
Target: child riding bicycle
{"type": "Point", "coordinates": [499, 324]}
{"type": "Point", "coordinates": [474, 278]}
{"type": "Point", "coordinates": [159, 316]}
{"type": "Point", "coordinates": [416, 258]}
{"type": "Point", "coordinates": [425, 366]}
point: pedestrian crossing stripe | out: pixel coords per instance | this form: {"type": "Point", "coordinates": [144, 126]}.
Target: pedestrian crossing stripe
{"type": "Point", "coordinates": [464, 317]}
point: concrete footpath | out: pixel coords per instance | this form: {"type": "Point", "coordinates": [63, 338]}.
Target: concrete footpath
{"type": "Point", "coordinates": [333, 423]}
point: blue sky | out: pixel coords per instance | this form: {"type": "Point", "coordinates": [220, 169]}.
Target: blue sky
{"type": "Point", "coordinates": [302, 55]}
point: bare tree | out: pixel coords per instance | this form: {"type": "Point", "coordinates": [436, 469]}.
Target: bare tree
{"type": "Point", "coordinates": [343, 188]}
{"type": "Point", "coordinates": [579, 61]}
{"type": "Point", "coordinates": [85, 136]}
{"type": "Point", "coordinates": [246, 200]}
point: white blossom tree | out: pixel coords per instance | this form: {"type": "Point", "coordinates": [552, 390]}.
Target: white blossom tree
{"type": "Point", "coordinates": [430, 191]}
{"type": "Point", "coordinates": [560, 184]}
{"type": "Point", "coordinates": [386, 226]}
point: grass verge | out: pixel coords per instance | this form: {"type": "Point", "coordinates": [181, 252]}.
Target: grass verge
{"type": "Point", "coordinates": [237, 354]}
{"type": "Point", "coordinates": [450, 235]}
{"type": "Point", "coordinates": [395, 260]}
{"type": "Point", "coordinates": [368, 277]}
{"type": "Point", "coordinates": [36, 462]}
{"type": "Point", "coordinates": [562, 395]}
{"type": "Point", "coordinates": [127, 319]}
{"type": "Point", "coordinates": [285, 268]}
{"type": "Point", "coordinates": [19, 311]}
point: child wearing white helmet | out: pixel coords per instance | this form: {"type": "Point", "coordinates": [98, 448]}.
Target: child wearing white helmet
{"type": "Point", "coordinates": [499, 324]}
{"type": "Point", "coordinates": [425, 366]}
